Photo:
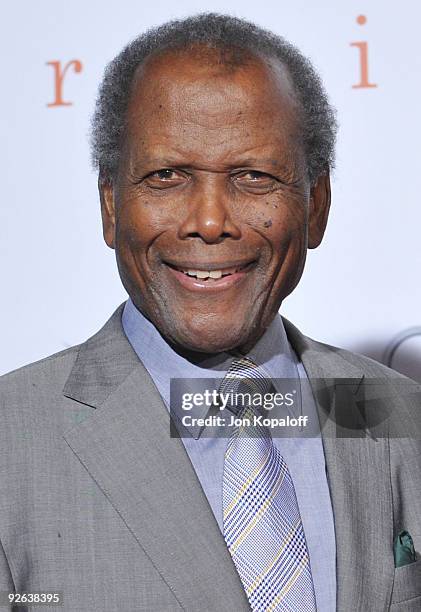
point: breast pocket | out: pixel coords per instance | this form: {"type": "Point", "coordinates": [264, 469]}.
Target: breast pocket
{"type": "Point", "coordinates": [406, 593]}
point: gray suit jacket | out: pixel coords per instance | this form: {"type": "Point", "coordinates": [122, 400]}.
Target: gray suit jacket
{"type": "Point", "coordinates": [96, 499]}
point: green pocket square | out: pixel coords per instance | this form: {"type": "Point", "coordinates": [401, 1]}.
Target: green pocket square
{"type": "Point", "coordinates": [403, 549]}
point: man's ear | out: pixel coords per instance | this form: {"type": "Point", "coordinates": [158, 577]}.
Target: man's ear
{"type": "Point", "coordinates": [106, 195]}
{"type": "Point", "coordinates": [319, 210]}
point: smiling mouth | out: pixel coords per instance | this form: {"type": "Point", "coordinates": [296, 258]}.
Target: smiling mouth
{"type": "Point", "coordinates": [211, 273]}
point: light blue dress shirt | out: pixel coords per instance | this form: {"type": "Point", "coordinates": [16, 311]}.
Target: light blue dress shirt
{"type": "Point", "coordinates": [303, 454]}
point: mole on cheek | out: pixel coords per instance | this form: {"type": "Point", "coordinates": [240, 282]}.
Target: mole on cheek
{"type": "Point", "coordinates": [273, 205]}
{"type": "Point", "coordinates": [267, 223]}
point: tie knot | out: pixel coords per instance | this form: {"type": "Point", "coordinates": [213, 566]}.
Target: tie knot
{"type": "Point", "coordinates": [244, 380]}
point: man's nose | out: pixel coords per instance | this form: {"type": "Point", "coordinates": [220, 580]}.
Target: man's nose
{"type": "Point", "coordinates": [209, 215]}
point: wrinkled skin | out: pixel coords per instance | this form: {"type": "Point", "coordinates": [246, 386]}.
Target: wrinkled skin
{"type": "Point", "coordinates": [212, 173]}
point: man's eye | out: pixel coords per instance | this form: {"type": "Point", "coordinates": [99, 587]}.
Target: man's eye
{"type": "Point", "coordinates": [164, 175]}
{"type": "Point", "coordinates": [164, 178]}
{"type": "Point", "coordinates": [255, 179]}
{"type": "Point", "coordinates": [254, 175]}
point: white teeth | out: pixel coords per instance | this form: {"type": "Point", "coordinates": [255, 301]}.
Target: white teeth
{"type": "Point", "coordinates": [215, 274]}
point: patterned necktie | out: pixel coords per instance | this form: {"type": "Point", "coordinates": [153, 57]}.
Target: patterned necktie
{"type": "Point", "coordinates": [262, 523]}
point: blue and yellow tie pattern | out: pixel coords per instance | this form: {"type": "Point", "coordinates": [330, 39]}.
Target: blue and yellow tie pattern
{"type": "Point", "coordinates": [262, 523]}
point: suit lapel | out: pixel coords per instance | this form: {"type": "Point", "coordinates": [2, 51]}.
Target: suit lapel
{"type": "Point", "coordinates": [359, 481]}
{"type": "Point", "coordinates": [147, 476]}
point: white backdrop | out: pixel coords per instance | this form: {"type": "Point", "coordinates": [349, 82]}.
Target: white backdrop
{"type": "Point", "coordinates": [360, 288]}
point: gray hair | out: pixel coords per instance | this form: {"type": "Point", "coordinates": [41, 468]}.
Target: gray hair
{"type": "Point", "coordinates": [222, 32]}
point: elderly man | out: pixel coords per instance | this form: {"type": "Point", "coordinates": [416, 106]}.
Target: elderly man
{"type": "Point", "coordinates": [214, 140]}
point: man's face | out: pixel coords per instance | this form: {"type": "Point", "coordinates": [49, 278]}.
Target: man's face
{"type": "Point", "coordinates": [211, 213]}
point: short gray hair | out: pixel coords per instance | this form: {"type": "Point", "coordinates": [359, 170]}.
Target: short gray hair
{"type": "Point", "coordinates": [218, 31]}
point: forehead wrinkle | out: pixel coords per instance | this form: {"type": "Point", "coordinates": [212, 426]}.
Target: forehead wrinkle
{"type": "Point", "coordinates": [186, 133]}
{"type": "Point", "coordinates": [232, 108]}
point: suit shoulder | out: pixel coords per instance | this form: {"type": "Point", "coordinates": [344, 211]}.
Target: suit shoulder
{"type": "Point", "coordinates": [329, 359]}
{"type": "Point", "coordinates": [369, 366]}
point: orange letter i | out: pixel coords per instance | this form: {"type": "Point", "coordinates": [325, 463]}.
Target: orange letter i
{"type": "Point", "coordinates": [363, 47]}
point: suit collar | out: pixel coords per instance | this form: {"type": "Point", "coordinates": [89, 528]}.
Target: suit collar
{"type": "Point", "coordinates": [103, 362]}
{"type": "Point", "coordinates": [320, 360]}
